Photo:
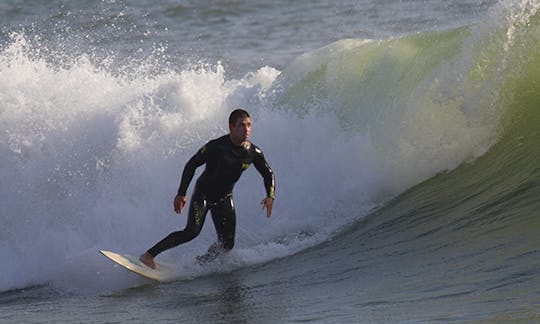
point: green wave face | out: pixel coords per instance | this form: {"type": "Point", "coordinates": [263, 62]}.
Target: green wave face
{"type": "Point", "coordinates": [465, 104]}
{"type": "Point", "coordinates": [430, 101]}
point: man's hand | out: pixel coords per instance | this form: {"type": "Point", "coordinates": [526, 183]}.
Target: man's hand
{"type": "Point", "coordinates": [179, 203]}
{"type": "Point", "coordinates": [267, 203]}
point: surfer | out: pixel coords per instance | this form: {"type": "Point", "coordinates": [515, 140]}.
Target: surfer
{"type": "Point", "coordinates": [225, 158]}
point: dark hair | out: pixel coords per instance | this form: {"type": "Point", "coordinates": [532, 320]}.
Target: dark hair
{"type": "Point", "coordinates": [237, 114]}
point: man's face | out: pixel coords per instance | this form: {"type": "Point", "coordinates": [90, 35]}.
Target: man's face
{"type": "Point", "coordinates": [241, 130]}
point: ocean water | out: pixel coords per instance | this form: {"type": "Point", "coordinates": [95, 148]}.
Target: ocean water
{"type": "Point", "coordinates": [403, 134]}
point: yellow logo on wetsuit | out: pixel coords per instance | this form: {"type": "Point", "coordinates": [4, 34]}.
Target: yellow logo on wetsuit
{"type": "Point", "coordinates": [197, 213]}
{"type": "Point", "coordinates": [245, 166]}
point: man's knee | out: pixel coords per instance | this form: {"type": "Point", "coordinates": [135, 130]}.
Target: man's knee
{"type": "Point", "coordinates": [191, 232]}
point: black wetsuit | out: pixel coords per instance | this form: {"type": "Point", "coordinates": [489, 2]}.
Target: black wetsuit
{"type": "Point", "coordinates": [225, 162]}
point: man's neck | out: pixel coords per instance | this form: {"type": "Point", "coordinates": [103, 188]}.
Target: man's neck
{"type": "Point", "coordinates": [237, 143]}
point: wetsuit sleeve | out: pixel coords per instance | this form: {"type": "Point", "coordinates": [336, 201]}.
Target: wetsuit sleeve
{"type": "Point", "coordinates": [266, 172]}
{"type": "Point", "coordinates": [189, 169]}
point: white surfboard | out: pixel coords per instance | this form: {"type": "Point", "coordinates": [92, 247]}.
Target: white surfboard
{"type": "Point", "coordinates": [162, 272]}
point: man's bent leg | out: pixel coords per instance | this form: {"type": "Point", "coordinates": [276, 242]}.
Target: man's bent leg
{"type": "Point", "coordinates": [224, 219]}
{"type": "Point", "coordinates": [197, 213]}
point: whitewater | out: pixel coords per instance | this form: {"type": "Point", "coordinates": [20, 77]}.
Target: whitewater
{"type": "Point", "coordinates": [403, 137]}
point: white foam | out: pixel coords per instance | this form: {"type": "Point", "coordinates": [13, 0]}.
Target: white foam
{"type": "Point", "coordinates": [93, 160]}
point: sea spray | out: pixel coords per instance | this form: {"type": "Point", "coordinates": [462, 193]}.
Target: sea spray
{"type": "Point", "coordinates": [93, 159]}
{"type": "Point", "coordinates": [92, 156]}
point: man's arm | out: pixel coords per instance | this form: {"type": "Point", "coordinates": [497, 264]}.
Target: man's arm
{"type": "Point", "coordinates": [269, 182]}
{"type": "Point", "coordinates": [187, 175]}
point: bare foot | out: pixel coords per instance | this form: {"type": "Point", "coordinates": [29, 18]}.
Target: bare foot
{"type": "Point", "coordinates": [148, 259]}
